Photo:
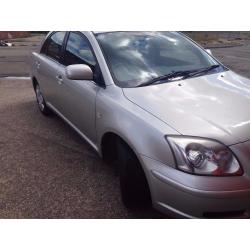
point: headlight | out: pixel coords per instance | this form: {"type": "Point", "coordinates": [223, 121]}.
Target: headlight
{"type": "Point", "coordinates": [203, 156]}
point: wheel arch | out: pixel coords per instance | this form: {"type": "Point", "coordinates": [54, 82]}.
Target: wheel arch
{"type": "Point", "coordinates": [108, 146]}
{"type": "Point", "coordinates": [108, 143]}
{"type": "Point", "coordinates": [109, 140]}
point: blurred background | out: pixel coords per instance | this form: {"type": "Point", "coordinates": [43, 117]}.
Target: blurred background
{"type": "Point", "coordinates": [231, 48]}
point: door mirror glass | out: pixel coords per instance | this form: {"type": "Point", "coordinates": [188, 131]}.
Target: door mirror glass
{"type": "Point", "coordinates": [79, 72]}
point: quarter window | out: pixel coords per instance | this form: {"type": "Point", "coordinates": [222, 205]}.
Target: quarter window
{"type": "Point", "coordinates": [78, 51]}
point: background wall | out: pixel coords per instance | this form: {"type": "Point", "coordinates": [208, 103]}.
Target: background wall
{"type": "Point", "coordinates": [13, 34]}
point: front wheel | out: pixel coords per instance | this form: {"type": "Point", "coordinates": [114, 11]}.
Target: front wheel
{"type": "Point", "coordinates": [133, 183]}
{"type": "Point", "coordinates": [40, 101]}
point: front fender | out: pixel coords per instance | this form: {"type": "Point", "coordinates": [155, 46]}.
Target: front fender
{"type": "Point", "coordinates": [143, 132]}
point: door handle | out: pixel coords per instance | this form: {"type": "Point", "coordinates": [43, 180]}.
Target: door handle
{"type": "Point", "coordinates": [59, 79]}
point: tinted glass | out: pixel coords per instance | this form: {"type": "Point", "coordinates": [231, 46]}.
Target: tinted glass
{"type": "Point", "coordinates": [78, 51]}
{"type": "Point", "coordinates": [54, 45]}
{"type": "Point", "coordinates": [136, 57]}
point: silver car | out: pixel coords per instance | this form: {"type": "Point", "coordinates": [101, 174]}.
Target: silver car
{"type": "Point", "coordinates": [161, 108]}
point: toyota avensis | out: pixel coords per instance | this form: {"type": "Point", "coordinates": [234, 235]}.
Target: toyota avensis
{"type": "Point", "coordinates": [173, 118]}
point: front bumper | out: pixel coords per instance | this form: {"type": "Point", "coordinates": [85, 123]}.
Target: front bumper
{"type": "Point", "coordinates": [190, 196]}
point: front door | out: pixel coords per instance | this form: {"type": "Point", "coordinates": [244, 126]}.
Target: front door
{"type": "Point", "coordinates": [78, 97]}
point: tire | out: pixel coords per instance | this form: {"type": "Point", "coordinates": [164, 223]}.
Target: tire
{"type": "Point", "coordinates": [41, 102]}
{"type": "Point", "coordinates": [133, 183]}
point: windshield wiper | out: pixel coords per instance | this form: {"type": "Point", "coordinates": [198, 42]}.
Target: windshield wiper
{"type": "Point", "coordinates": [202, 71]}
{"type": "Point", "coordinates": [171, 75]}
{"type": "Point", "coordinates": [175, 74]}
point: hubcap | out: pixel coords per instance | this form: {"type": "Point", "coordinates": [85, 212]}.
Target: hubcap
{"type": "Point", "coordinates": [40, 99]}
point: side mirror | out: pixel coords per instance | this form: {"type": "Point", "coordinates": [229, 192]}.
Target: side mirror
{"type": "Point", "coordinates": [209, 51]}
{"type": "Point", "coordinates": [79, 72]}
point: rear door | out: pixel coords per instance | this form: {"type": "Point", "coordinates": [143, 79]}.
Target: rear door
{"type": "Point", "coordinates": [47, 65]}
{"type": "Point", "coordinates": [77, 97]}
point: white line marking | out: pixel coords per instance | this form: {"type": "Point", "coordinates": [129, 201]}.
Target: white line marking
{"type": "Point", "coordinates": [17, 77]}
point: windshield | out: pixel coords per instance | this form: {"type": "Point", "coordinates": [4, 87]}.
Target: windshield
{"type": "Point", "coordinates": [137, 57]}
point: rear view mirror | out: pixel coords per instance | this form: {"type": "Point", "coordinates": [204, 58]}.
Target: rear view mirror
{"type": "Point", "coordinates": [209, 51]}
{"type": "Point", "coordinates": [79, 72]}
